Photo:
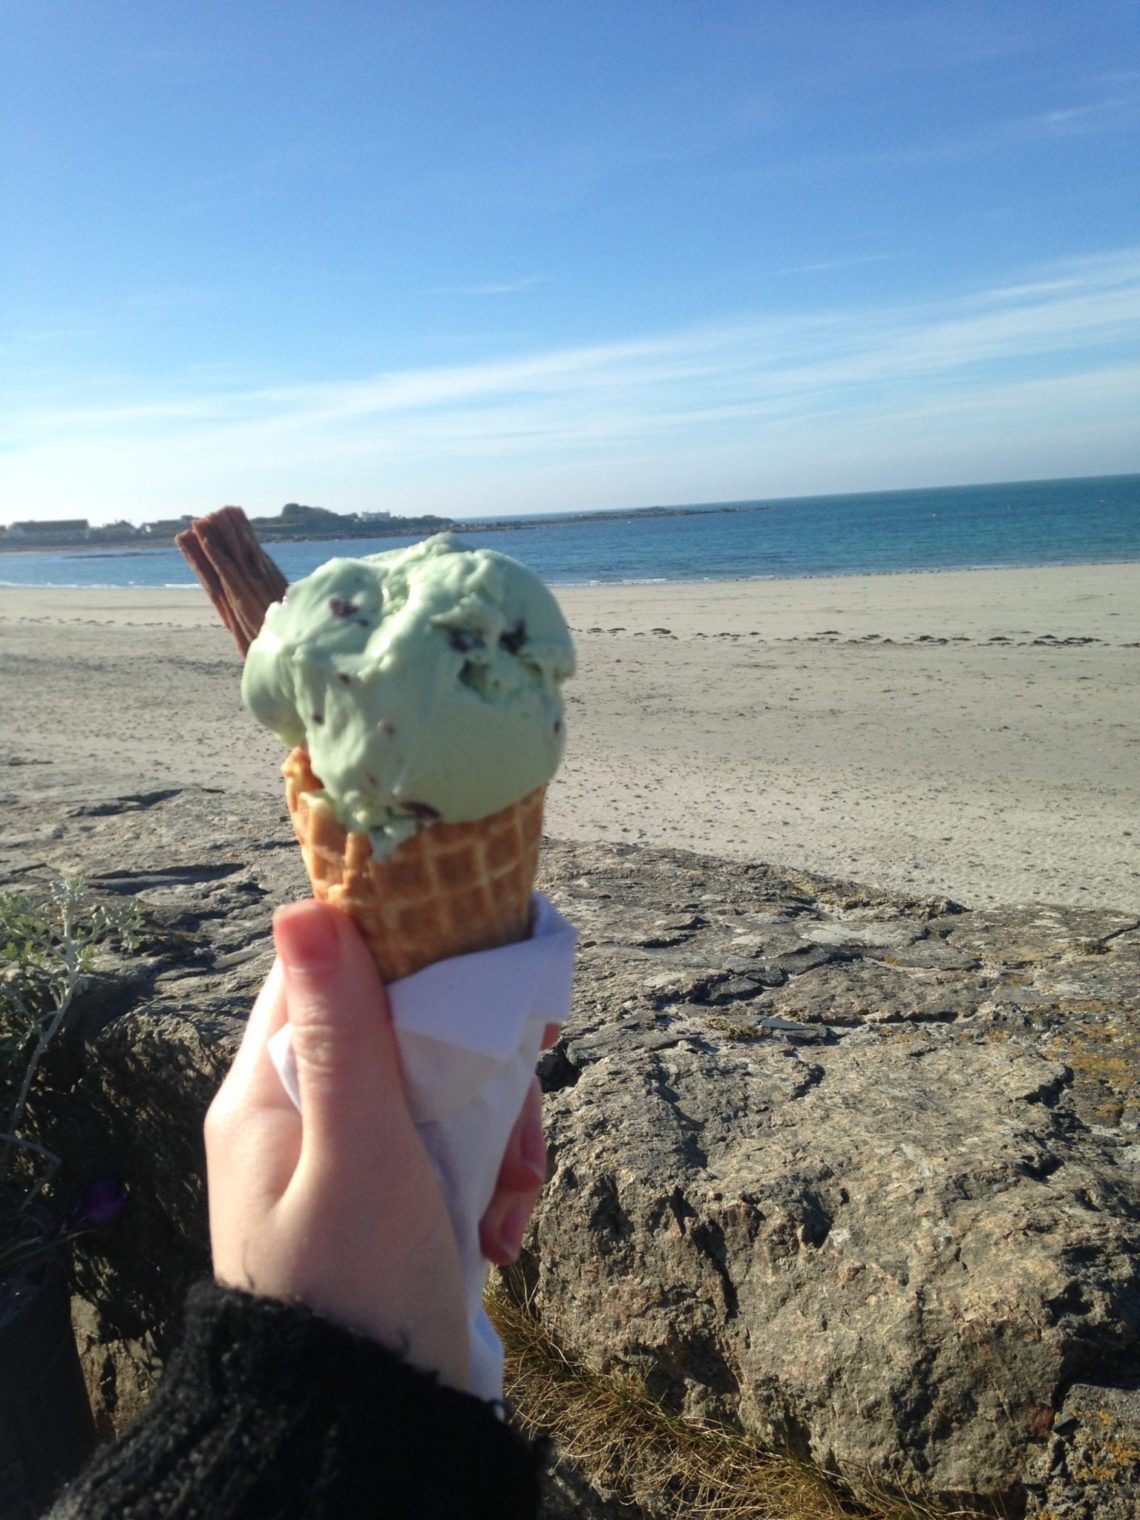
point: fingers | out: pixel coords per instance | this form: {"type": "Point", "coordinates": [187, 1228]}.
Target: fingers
{"type": "Point", "coordinates": [252, 1070]}
{"type": "Point", "coordinates": [251, 1127]}
{"type": "Point", "coordinates": [521, 1176]}
{"type": "Point", "coordinates": [524, 1160]}
{"type": "Point", "coordinates": [347, 1066]}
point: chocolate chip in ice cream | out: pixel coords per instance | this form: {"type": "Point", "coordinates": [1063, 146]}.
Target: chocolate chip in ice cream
{"type": "Point", "coordinates": [514, 639]}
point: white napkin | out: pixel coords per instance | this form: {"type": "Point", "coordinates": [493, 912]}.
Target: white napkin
{"type": "Point", "coordinates": [470, 1032]}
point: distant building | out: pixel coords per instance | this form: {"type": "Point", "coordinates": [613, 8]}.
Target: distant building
{"type": "Point", "coordinates": [370, 517]}
{"type": "Point", "coordinates": [67, 528]}
{"type": "Point", "coordinates": [167, 527]}
{"type": "Point", "coordinates": [121, 532]}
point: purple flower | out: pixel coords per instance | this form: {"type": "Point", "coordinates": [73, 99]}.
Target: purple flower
{"type": "Point", "coordinates": [100, 1203]}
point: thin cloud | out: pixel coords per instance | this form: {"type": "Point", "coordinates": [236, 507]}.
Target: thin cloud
{"type": "Point", "coordinates": [1034, 350]}
{"type": "Point", "coordinates": [1086, 305]}
{"type": "Point", "coordinates": [823, 266]}
{"type": "Point", "coordinates": [1115, 113]}
{"type": "Point", "coordinates": [489, 288]}
{"type": "Point", "coordinates": [1112, 115]}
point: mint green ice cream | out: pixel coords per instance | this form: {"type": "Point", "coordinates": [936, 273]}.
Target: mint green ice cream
{"type": "Point", "coordinates": [425, 684]}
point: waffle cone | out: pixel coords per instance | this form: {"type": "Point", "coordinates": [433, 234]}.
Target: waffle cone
{"type": "Point", "coordinates": [450, 889]}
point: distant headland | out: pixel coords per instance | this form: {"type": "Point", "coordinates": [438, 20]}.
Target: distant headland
{"type": "Point", "coordinates": [298, 522]}
{"type": "Point", "coordinates": [294, 521]}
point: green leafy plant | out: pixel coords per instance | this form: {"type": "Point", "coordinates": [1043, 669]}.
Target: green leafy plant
{"type": "Point", "coordinates": [48, 945]}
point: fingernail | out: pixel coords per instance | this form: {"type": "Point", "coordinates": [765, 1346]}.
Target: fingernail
{"type": "Point", "coordinates": [532, 1146]}
{"type": "Point", "coordinates": [306, 937]}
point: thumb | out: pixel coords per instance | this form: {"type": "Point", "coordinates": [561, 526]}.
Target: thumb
{"type": "Point", "coordinates": [348, 1069]}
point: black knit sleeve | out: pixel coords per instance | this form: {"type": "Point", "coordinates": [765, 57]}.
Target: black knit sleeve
{"type": "Point", "coordinates": [268, 1412]}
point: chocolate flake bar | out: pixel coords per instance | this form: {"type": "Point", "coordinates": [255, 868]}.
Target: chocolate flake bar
{"type": "Point", "coordinates": [236, 573]}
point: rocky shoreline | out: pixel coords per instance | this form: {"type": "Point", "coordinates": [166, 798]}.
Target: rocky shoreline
{"type": "Point", "coordinates": [855, 1173]}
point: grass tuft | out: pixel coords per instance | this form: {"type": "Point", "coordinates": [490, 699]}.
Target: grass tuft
{"type": "Point", "coordinates": [626, 1445]}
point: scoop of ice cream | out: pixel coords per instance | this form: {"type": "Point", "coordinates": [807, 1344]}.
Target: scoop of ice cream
{"type": "Point", "coordinates": [425, 684]}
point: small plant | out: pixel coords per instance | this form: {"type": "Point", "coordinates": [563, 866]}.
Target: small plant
{"type": "Point", "coordinates": [47, 946]}
{"type": "Point", "coordinates": [1090, 947]}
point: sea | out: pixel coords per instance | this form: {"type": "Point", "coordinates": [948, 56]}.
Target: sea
{"type": "Point", "coordinates": [1039, 522]}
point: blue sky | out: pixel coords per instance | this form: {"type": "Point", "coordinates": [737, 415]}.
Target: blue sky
{"type": "Point", "coordinates": [513, 257]}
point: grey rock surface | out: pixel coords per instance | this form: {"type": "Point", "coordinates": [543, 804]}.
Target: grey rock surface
{"type": "Point", "coordinates": [857, 1173]}
{"type": "Point", "coordinates": [151, 1037]}
{"type": "Point", "coordinates": [1090, 1469]}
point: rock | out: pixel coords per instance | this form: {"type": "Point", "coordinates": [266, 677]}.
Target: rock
{"type": "Point", "coordinates": [889, 1252]}
{"type": "Point", "coordinates": [1091, 1466]}
{"type": "Point", "coordinates": [855, 1173]}
{"type": "Point", "coordinates": [569, 1496]}
{"type": "Point", "coordinates": [151, 1036]}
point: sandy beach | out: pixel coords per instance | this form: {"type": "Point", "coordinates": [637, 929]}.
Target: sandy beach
{"type": "Point", "coordinates": [971, 733]}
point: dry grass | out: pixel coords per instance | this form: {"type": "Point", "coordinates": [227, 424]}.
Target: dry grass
{"type": "Point", "coordinates": [625, 1444]}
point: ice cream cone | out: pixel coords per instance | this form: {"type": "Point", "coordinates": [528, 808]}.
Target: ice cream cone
{"type": "Point", "coordinates": [488, 641]}
{"type": "Point", "coordinates": [450, 889]}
